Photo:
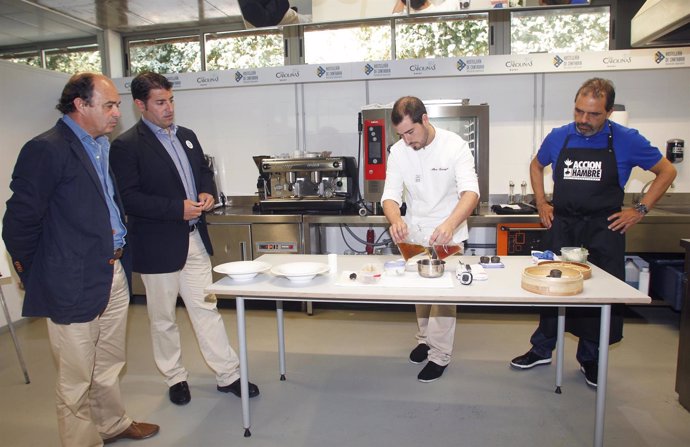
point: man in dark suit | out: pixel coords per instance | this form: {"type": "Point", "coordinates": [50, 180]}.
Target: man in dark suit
{"type": "Point", "coordinates": [166, 186]}
{"type": "Point", "coordinates": [65, 231]}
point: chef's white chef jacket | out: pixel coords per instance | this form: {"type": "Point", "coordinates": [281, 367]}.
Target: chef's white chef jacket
{"type": "Point", "coordinates": [430, 181]}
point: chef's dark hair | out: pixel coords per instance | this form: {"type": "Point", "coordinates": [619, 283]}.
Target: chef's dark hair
{"type": "Point", "coordinates": [145, 82]}
{"type": "Point", "coordinates": [408, 106]}
{"type": "Point", "coordinates": [599, 87]}
{"type": "Point", "coordinates": [79, 85]}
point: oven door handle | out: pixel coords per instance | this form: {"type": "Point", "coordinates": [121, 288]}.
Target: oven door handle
{"type": "Point", "coordinates": [505, 228]}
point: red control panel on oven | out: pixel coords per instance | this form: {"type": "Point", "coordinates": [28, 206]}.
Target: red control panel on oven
{"type": "Point", "coordinates": [375, 150]}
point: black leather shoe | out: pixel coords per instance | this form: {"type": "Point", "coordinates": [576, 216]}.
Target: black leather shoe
{"type": "Point", "coordinates": [431, 372]}
{"type": "Point", "coordinates": [419, 354]}
{"type": "Point", "coordinates": [529, 360]}
{"type": "Point", "coordinates": [591, 371]}
{"type": "Point", "coordinates": [179, 393]}
{"type": "Point", "coordinates": [234, 388]}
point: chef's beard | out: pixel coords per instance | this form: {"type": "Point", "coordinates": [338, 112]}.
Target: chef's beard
{"type": "Point", "coordinates": [585, 129]}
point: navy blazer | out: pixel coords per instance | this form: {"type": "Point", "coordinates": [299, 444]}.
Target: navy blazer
{"type": "Point", "coordinates": [57, 229]}
{"type": "Point", "coordinates": [153, 196]}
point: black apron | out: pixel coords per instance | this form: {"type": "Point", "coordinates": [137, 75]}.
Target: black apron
{"type": "Point", "coordinates": [586, 192]}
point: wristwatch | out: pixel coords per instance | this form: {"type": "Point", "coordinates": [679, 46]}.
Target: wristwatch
{"type": "Point", "coordinates": [641, 208]}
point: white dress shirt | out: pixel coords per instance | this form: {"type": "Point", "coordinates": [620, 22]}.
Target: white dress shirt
{"type": "Point", "coordinates": [430, 181]}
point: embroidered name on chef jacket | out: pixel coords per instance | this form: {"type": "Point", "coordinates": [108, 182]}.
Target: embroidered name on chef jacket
{"type": "Point", "coordinates": [582, 170]}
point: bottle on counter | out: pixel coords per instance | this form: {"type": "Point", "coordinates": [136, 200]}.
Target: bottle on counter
{"type": "Point", "coordinates": [643, 285]}
{"type": "Point", "coordinates": [632, 272]}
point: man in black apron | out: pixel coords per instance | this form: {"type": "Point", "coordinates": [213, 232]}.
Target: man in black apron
{"type": "Point", "coordinates": [592, 159]}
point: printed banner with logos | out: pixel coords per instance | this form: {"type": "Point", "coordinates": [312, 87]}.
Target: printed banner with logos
{"type": "Point", "coordinates": [636, 59]}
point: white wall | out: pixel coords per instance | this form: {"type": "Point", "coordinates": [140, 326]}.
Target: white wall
{"type": "Point", "coordinates": [237, 122]}
{"type": "Point", "coordinates": [28, 97]}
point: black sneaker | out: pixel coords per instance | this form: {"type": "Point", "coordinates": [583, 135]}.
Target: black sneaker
{"type": "Point", "coordinates": [529, 360]}
{"type": "Point", "coordinates": [419, 354]}
{"type": "Point", "coordinates": [591, 371]}
{"type": "Point", "coordinates": [431, 372]}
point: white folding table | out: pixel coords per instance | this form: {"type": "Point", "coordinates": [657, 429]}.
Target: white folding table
{"type": "Point", "coordinates": [501, 289]}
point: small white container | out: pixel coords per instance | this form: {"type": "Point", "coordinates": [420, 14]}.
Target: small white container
{"type": "Point", "coordinates": [394, 268]}
{"type": "Point", "coordinates": [370, 273]}
{"type": "Point", "coordinates": [574, 254]}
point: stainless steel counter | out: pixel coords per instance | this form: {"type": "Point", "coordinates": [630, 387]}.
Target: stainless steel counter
{"type": "Point", "coordinates": [245, 215]}
{"type": "Point", "coordinates": [658, 232]}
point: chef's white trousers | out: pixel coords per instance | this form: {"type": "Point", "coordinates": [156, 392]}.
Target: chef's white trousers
{"type": "Point", "coordinates": [436, 328]}
{"type": "Point", "coordinates": [162, 290]}
{"type": "Point", "coordinates": [89, 358]}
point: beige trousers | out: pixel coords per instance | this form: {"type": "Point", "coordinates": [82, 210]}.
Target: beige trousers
{"type": "Point", "coordinates": [436, 328]}
{"type": "Point", "coordinates": [89, 358]}
{"type": "Point", "coordinates": [162, 290]}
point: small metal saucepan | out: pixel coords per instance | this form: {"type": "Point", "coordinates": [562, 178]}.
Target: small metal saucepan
{"type": "Point", "coordinates": [431, 268]}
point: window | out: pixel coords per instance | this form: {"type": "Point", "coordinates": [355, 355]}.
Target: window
{"type": "Point", "coordinates": [559, 30]}
{"type": "Point", "coordinates": [244, 50]}
{"type": "Point", "coordinates": [370, 41]}
{"type": "Point", "coordinates": [69, 58]}
{"type": "Point", "coordinates": [442, 37]}
{"type": "Point", "coordinates": [166, 55]}
{"type": "Point", "coordinates": [32, 58]}
{"type": "Point", "coordinates": [73, 59]}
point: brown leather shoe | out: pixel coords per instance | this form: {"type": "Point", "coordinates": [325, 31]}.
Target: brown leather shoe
{"type": "Point", "coordinates": [138, 430]}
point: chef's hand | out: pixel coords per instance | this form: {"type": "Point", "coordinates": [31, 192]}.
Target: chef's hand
{"type": "Point", "coordinates": [442, 234]}
{"type": "Point", "coordinates": [398, 231]}
{"type": "Point", "coordinates": [192, 210]}
{"type": "Point", "coordinates": [624, 219]}
{"type": "Point", "coordinates": [206, 201]}
{"type": "Point", "coordinates": [545, 214]}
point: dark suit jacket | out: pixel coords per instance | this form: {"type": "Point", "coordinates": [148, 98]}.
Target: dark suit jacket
{"type": "Point", "coordinates": [153, 194]}
{"type": "Point", "coordinates": [57, 229]}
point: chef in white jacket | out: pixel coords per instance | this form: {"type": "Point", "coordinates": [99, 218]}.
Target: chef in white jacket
{"type": "Point", "coordinates": [432, 171]}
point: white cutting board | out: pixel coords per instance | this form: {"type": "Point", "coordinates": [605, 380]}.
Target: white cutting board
{"type": "Point", "coordinates": [408, 279]}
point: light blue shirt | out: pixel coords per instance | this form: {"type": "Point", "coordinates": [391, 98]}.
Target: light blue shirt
{"type": "Point", "coordinates": [168, 138]}
{"type": "Point", "coordinates": [98, 151]}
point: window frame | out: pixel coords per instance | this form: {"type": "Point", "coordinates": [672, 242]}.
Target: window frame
{"type": "Point", "coordinates": [40, 49]}
{"type": "Point", "coordinates": [498, 23]}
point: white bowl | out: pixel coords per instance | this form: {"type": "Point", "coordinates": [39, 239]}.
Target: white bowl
{"type": "Point", "coordinates": [300, 271]}
{"type": "Point", "coordinates": [242, 270]}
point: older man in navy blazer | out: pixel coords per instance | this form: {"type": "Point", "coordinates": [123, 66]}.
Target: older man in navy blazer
{"type": "Point", "coordinates": [166, 187]}
{"type": "Point", "coordinates": [65, 231]}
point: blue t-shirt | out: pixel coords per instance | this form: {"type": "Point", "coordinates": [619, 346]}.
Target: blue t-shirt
{"type": "Point", "coordinates": [631, 148]}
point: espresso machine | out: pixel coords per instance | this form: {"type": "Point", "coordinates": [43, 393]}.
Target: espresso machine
{"type": "Point", "coordinates": [315, 184]}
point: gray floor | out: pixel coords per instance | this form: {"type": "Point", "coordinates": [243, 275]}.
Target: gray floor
{"type": "Point", "coordinates": [349, 384]}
